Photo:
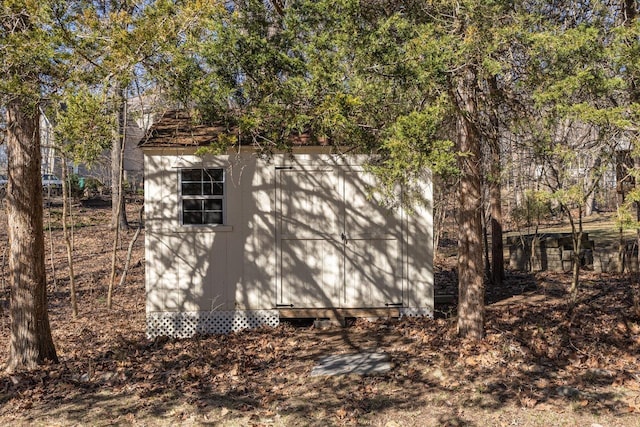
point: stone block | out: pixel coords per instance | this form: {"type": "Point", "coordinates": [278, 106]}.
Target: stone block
{"type": "Point", "coordinates": [517, 258]}
{"type": "Point", "coordinates": [567, 255]}
{"type": "Point", "coordinates": [554, 265]}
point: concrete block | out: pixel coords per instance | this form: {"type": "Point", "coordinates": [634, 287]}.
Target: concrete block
{"type": "Point", "coordinates": [552, 243]}
{"type": "Point", "coordinates": [517, 258]}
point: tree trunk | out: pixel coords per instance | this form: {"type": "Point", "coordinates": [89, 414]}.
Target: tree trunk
{"type": "Point", "coordinates": [30, 342]}
{"type": "Point", "coordinates": [470, 268]}
{"type": "Point", "coordinates": [576, 235]}
{"type": "Point", "coordinates": [495, 187]}
{"type": "Point", "coordinates": [118, 211]}
{"type": "Point", "coordinates": [495, 202]}
{"type": "Point", "coordinates": [66, 208]}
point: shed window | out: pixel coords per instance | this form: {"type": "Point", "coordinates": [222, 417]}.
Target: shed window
{"type": "Point", "coordinates": [202, 196]}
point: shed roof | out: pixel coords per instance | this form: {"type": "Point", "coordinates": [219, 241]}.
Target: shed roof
{"type": "Point", "coordinates": [176, 129]}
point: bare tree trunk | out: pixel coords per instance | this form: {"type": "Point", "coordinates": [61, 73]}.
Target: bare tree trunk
{"type": "Point", "coordinates": [495, 187]}
{"type": "Point", "coordinates": [67, 238]}
{"type": "Point", "coordinates": [51, 250]}
{"type": "Point", "coordinates": [118, 211]}
{"type": "Point", "coordinates": [576, 233]}
{"type": "Point", "coordinates": [114, 259]}
{"type": "Point", "coordinates": [127, 261]}
{"type": "Point", "coordinates": [470, 268]}
{"type": "Point", "coordinates": [120, 214]}
{"type": "Point", "coordinates": [495, 203]}
{"type": "Point", "coordinates": [485, 245]}
{"type": "Point", "coordinates": [30, 342]}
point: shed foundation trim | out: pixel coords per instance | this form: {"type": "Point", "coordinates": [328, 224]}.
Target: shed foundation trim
{"type": "Point", "coordinates": [188, 324]}
{"type": "Point", "coordinates": [416, 312]}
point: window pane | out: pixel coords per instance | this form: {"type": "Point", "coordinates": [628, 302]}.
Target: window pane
{"type": "Point", "coordinates": [192, 175]}
{"type": "Point", "coordinates": [213, 175]}
{"type": "Point", "coordinates": [213, 189]}
{"type": "Point", "coordinates": [192, 205]}
{"type": "Point", "coordinates": [191, 188]}
{"type": "Point", "coordinates": [213, 205]}
{"type": "Point", "coordinates": [192, 217]}
{"type": "Point", "coordinates": [213, 217]}
{"type": "Point", "coordinates": [207, 188]}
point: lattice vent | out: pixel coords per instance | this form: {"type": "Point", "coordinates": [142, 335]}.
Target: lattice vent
{"type": "Point", "coordinates": [416, 312]}
{"type": "Point", "coordinates": [187, 324]}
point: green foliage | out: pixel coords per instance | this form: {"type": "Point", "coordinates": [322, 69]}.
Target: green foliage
{"type": "Point", "coordinates": [32, 58]}
{"type": "Point", "coordinates": [626, 216]}
{"type": "Point", "coordinates": [220, 146]}
{"type": "Point", "coordinates": [84, 127]}
{"type": "Point", "coordinates": [74, 185]}
{"type": "Point", "coordinates": [537, 206]}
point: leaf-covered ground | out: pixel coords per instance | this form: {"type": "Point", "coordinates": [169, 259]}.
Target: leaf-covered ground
{"type": "Point", "coordinates": [537, 366]}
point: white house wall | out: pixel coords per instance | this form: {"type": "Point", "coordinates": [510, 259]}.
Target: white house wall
{"type": "Point", "coordinates": [235, 267]}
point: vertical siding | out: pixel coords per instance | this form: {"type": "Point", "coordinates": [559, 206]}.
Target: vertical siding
{"type": "Point", "coordinates": [419, 242]}
{"type": "Point", "coordinates": [210, 268]}
{"type": "Point", "coordinates": [234, 266]}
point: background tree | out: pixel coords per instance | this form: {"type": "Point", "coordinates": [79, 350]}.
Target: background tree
{"type": "Point", "coordinates": [572, 93]}
{"type": "Point", "coordinates": [122, 45]}
{"type": "Point", "coordinates": [627, 51]}
{"type": "Point", "coordinates": [83, 131]}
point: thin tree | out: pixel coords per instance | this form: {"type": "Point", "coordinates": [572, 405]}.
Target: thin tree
{"type": "Point", "coordinates": [66, 208]}
{"type": "Point", "coordinates": [118, 216]}
{"type": "Point", "coordinates": [118, 202]}
{"type": "Point", "coordinates": [82, 132]}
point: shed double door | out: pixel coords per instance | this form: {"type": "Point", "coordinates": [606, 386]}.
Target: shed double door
{"type": "Point", "coordinates": [336, 247]}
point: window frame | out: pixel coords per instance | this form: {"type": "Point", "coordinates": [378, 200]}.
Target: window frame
{"type": "Point", "coordinates": [203, 197]}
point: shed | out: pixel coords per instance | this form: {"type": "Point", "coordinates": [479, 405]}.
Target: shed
{"type": "Point", "coordinates": [239, 240]}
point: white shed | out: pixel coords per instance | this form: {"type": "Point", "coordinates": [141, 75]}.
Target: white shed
{"type": "Point", "coordinates": [237, 240]}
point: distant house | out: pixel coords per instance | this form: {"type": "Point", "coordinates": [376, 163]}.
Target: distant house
{"type": "Point", "coordinates": [237, 240]}
{"type": "Point", "coordinates": [139, 118]}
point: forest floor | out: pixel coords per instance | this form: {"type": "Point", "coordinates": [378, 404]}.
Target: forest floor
{"type": "Point", "coordinates": [538, 365]}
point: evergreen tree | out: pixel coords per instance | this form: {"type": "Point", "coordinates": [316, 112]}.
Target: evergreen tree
{"type": "Point", "coordinates": [29, 51]}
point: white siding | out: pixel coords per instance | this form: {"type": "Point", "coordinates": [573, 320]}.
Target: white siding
{"type": "Point", "coordinates": [239, 266]}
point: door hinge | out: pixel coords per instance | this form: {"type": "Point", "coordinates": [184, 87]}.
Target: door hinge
{"type": "Point", "coordinates": [393, 304]}
{"type": "Point", "coordinates": [284, 305]}
{"type": "Point", "coordinates": [284, 168]}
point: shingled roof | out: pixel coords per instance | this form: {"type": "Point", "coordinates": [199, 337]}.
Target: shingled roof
{"type": "Point", "coordinates": [176, 129]}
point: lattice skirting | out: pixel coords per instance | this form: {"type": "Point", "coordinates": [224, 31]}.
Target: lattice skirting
{"type": "Point", "coordinates": [188, 324]}
{"type": "Point", "coordinates": [416, 312]}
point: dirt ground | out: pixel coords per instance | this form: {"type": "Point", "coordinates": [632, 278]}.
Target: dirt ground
{"type": "Point", "coordinates": [537, 366]}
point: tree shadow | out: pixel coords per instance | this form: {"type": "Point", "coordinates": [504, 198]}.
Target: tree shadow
{"type": "Point", "coordinates": [303, 236]}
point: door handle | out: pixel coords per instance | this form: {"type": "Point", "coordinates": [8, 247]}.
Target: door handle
{"type": "Point", "coordinates": [344, 238]}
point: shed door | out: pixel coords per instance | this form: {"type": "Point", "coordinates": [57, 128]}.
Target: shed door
{"type": "Point", "coordinates": [310, 251]}
{"type": "Point", "coordinates": [373, 250]}
{"type": "Point", "coordinates": [336, 247]}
